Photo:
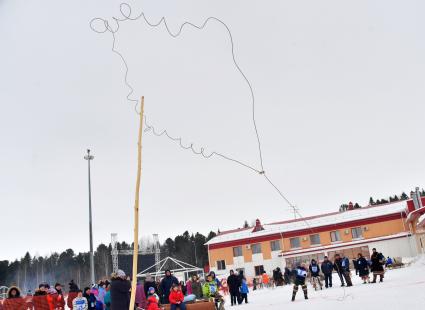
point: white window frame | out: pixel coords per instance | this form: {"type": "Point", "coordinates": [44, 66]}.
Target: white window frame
{"type": "Point", "coordinates": [336, 233]}
{"type": "Point", "coordinates": [237, 247]}
{"type": "Point", "coordinates": [255, 247]}
{"type": "Point", "coordinates": [315, 244]}
{"type": "Point", "coordinates": [299, 242]}
{"type": "Point", "coordinates": [357, 229]}
{"type": "Point", "coordinates": [274, 242]}
{"type": "Point", "coordinates": [221, 264]}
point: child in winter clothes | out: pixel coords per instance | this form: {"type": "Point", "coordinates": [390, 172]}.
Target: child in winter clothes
{"type": "Point", "coordinates": [79, 302]}
{"type": "Point", "coordinates": [301, 274]}
{"type": "Point", "coordinates": [315, 276]}
{"type": "Point", "coordinates": [153, 300]}
{"type": "Point", "coordinates": [176, 298]}
{"type": "Point", "coordinates": [244, 292]}
{"type": "Point", "coordinates": [210, 290]}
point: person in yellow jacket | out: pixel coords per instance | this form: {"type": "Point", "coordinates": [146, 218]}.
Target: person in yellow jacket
{"type": "Point", "coordinates": [210, 291]}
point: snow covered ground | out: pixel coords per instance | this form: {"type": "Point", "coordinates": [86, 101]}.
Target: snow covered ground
{"type": "Point", "coordinates": [402, 289]}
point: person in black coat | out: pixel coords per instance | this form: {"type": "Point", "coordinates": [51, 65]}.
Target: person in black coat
{"type": "Point", "coordinates": [120, 292]}
{"type": "Point", "coordinates": [378, 261]}
{"type": "Point", "coordinates": [342, 267]}
{"type": "Point", "coordinates": [234, 284]}
{"type": "Point", "coordinates": [362, 267]}
{"type": "Point", "coordinates": [166, 285]}
{"type": "Point", "coordinates": [327, 268]}
{"type": "Point", "coordinates": [315, 274]}
{"type": "Point", "coordinates": [301, 275]}
{"type": "Point", "coordinates": [91, 299]}
{"type": "Point", "coordinates": [287, 276]}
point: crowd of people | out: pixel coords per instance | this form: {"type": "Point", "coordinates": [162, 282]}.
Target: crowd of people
{"type": "Point", "coordinates": [153, 294]}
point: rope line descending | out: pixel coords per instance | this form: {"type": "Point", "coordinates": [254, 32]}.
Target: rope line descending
{"type": "Point", "coordinates": [126, 15]}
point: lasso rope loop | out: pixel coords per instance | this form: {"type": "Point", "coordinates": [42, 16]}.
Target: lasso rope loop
{"type": "Point", "coordinates": [126, 14]}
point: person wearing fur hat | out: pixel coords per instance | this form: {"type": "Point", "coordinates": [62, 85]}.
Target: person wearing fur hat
{"type": "Point", "coordinates": [378, 262]}
{"type": "Point", "coordinates": [14, 299]}
{"type": "Point", "coordinates": [120, 291]}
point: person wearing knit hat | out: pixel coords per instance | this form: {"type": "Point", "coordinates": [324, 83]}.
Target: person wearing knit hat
{"type": "Point", "coordinates": [120, 274]}
{"type": "Point", "coordinates": [120, 291]}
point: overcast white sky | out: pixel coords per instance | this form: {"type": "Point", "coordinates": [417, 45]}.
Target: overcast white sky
{"type": "Point", "coordinates": [339, 85]}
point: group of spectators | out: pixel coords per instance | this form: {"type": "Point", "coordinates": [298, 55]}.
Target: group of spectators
{"type": "Point", "coordinates": [151, 294]}
{"type": "Point", "coordinates": [341, 265]}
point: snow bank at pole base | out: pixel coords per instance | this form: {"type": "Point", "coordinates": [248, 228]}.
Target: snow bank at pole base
{"type": "Point", "coordinates": [402, 288]}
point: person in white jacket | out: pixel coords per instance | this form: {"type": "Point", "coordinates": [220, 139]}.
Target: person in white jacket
{"type": "Point", "coordinates": [80, 302]}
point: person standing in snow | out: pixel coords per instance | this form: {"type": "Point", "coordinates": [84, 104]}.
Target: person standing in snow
{"type": "Point", "coordinates": [342, 267]}
{"type": "Point", "coordinates": [301, 274]}
{"type": "Point", "coordinates": [378, 261]}
{"type": "Point", "coordinates": [234, 284]}
{"type": "Point", "coordinates": [363, 268]}
{"type": "Point", "coordinates": [315, 274]}
{"type": "Point", "coordinates": [287, 276]}
{"type": "Point", "coordinates": [327, 268]}
{"type": "Point", "coordinates": [244, 292]}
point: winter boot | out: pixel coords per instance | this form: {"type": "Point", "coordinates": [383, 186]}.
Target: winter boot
{"type": "Point", "coordinates": [305, 291]}
{"type": "Point", "coordinates": [294, 292]}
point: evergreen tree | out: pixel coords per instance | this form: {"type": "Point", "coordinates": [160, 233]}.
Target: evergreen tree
{"type": "Point", "coordinates": [356, 206]}
{"type": "Point", "coordinates": [371, 201]}
{"type": "Point", "coordinates": [245, 224]}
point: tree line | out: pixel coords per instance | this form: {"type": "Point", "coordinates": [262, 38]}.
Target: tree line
{"type": "Point", "coordinates": [373, 202]}
{"type": "Point", "coordinates": [29, 271]}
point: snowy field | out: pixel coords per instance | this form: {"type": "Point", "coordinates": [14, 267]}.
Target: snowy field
{"type": "Point", "coordinates": [402, 289]}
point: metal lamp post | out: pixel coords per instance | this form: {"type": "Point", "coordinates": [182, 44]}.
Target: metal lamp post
{"type": "Point", "coordinates": [196, 256]}
{"type": "Point", "coordinates": [89, 157]}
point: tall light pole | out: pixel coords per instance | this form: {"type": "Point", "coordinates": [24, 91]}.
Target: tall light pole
{"type": "Point", "coordinates": [196, 256]}
{"type": "Point", "coordinates": [89, 157]}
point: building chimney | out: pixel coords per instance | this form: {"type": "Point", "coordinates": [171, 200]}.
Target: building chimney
{"type": "Point", "coordinates": [258, 226]}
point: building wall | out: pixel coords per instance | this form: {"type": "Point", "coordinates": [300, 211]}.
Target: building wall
{"type": "Point", "coordinates": [270, 260]}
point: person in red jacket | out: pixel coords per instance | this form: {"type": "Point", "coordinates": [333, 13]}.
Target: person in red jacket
{"type": "Point", "coordinates": [176, 298]}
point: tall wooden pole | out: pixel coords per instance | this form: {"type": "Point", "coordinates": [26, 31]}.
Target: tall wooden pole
{"type": "Point", "coordinates": [136, 209]}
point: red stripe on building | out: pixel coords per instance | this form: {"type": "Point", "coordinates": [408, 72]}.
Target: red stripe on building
{"type": "Point", "coordinates": [307, 231]}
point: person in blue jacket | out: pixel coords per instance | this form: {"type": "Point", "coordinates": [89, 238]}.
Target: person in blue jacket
{"type": "Point", "coordinates": [244, 292]}
{"type": "Point", "coordinates": [301, 274]}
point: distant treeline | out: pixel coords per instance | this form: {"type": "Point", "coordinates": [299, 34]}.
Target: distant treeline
{"type": "Point", "coordinates": [372, 202]}
{"type": "Point", "coordinates": [29, 271]}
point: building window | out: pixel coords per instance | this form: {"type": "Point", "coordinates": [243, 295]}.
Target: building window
{"type": "Point", "coordinates": [256, 248]}
{"type": "Point", "coordinates": [221, 265]}
{"type": "Point", "coordinates": [275, 245]}
{"type": "Point", "coordinates": [237, 251]}
{"type": "Point", "coordinates": [259, 270]}
{"type": "Point", "coordinates": [295, 243]}
{"type": "Point", "coordinates": [335, 236]}
{"type": "Point", "coordinates": [356, 233]}
{"type": "Point", "coordinates": [315, 239]}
